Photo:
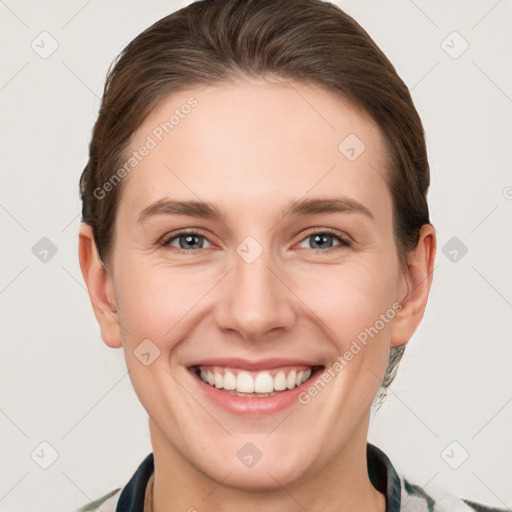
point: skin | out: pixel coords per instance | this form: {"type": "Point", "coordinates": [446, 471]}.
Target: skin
{"type": "Point", "coordinates": [251, 147]}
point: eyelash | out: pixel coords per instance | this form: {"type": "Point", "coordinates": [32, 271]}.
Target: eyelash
{"type": "Point", "coordinates": [344, 242]}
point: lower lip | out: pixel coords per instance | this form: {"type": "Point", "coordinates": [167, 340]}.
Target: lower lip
{"type": "Point", "coordinates": [254, 405]}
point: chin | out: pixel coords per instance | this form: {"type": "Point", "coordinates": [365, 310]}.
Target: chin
{"type": "Point", "coordinates": [249, 469]}
{"type": "Point", "coordinates": [260, 478]}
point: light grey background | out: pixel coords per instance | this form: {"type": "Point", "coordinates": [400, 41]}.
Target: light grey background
{"type": "Point", "coordinates": [62, 385]}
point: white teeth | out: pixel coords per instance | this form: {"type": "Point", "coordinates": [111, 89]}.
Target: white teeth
{"type": "Point", "coordinates": [262, 383]}
{"type": "Point", "coordinates": [290, 381]}
{"type": "Point", "coordinates": [229, 381]}
{"type": "Point", "coordinates": [218, 380]}
{"type": "Point", "coordinates": [280, 382]}
{"type": "Point", "coordinates": [244, 383]}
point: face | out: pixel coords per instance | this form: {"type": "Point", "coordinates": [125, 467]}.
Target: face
{"type": "Point", "coordinates": [278, 272]}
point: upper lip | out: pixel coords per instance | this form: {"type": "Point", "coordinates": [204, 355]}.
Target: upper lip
{"type": "Point", "coordinates": [247, 364]}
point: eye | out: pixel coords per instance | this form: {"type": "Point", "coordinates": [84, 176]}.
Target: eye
{"type": "Point", "coordinates": [320, 239]}
{"type": "Point", "coordinates": [190, 240]}
{"type": "Point", "coordinates": [187, 241]}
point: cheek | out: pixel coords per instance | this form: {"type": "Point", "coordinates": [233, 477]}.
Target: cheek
{"type": "Point", "coordinates": [349, 298]}
{"type": "Point", "coordinates": [158, 300]}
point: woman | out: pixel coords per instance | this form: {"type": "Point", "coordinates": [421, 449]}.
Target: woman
{"type": "Point", "coordinates": [256, 237]}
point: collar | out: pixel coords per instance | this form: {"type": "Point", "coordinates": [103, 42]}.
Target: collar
{"type": "Point", "coordinates": [384, 477]}
{"type": "Point", "coordinates": [380, 470]}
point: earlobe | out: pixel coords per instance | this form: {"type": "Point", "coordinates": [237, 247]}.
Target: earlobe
{"type": "Point", "coordinates": [100, 287]}
{"type": "Point", "coordinates": [417, 281]}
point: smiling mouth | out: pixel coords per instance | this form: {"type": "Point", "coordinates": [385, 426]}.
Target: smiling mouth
{"type": "Point", "coordinates": [255, 384]}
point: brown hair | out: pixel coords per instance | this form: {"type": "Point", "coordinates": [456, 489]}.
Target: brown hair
{"type": "Point", "coordinates": [310, 41]}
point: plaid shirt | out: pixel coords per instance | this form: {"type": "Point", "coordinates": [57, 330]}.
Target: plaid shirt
{"type": "Point", "coordinates": [401, 495]}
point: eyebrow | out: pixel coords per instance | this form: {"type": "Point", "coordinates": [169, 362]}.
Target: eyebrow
{"type": "Point", "coordinates": [208, 210]}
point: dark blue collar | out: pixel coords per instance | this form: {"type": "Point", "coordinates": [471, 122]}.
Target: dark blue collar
{"type": "Point", "coordinates": [380, 470]}
{"type": "Point", "coordinates": [133, 494]}
{"type": "Point", "coordinates": [384, 477]}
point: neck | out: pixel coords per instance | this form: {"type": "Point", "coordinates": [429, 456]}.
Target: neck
{"type": "Point", "coordinates": [342, 485]}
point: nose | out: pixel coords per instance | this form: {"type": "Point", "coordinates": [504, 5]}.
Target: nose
{"type": "Point", "coordinates": [255, 300]}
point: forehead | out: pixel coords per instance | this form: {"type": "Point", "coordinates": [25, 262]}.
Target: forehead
{"type": "Point", "coordinates": [256, 143]}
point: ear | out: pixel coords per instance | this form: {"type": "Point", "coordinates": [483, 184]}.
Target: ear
{"type": "Point", "coordinates": [415, 287]}
{"type": "Point", "coordinates": [100, 287]}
